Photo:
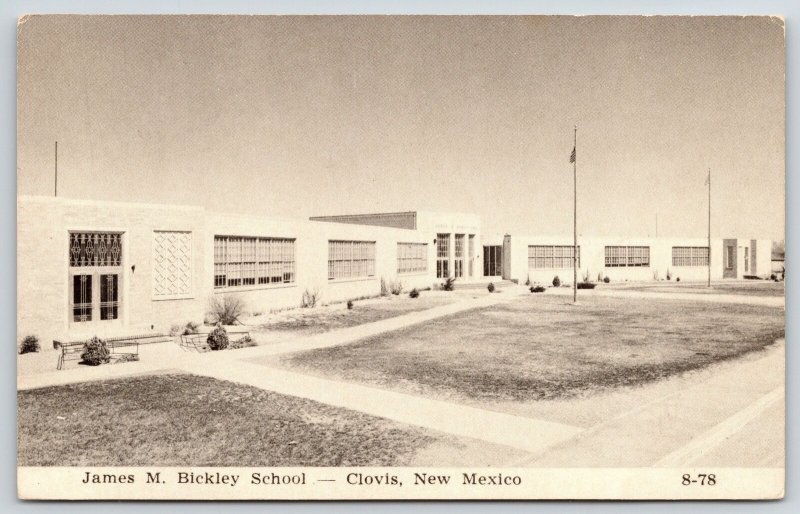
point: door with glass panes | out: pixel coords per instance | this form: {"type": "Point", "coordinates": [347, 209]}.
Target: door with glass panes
{"type": "Point", "coordinates": [95, 279]}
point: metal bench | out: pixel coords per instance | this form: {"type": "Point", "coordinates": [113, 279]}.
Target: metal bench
{"type": "Point", "coordinates": [120, 345]}
{"type": "Point", "coordinates": [199, 342]}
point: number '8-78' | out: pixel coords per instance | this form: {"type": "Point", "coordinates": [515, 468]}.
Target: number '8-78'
{"type": "Point", "coordinates": [702, 479]}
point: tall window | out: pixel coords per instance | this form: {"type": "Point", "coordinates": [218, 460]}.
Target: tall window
{"type": "Point", "coordinates": [458, 262]}
{"type": "Point", "coordinates": [249, 261]}
{"type": "Point", "coordinates": [442, 255]}
{"type": "Point", "coordinates": [471, 255]}
{"type": "Point", "coordinates": [95, 267]}
{"type": "Point", "coordinates": [412, 257]}
{"type": "Point", "coordinates": [730, 255]}
{"type": "Point", "coordinates": [690, 256]}
{"type": "Point", "coordinates": [555, 257]}
{"type": "Point", "coordinates": [351, 259]}
{"type": "Point", "coordinates": [746, 259]}
{"type": "Point", "coordinates": [627, 256]}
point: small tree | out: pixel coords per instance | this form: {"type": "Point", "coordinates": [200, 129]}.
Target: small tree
{"type": "Point", "coordinates": [556, 281]}
{"type": "Point", "coordinates": [490, 287]}
{"type": "Point", "coordinates": [218, 338]}
{"type": "Point", "coordinates": [310, 299]}
{"type": "Point", "coordinates": [95, 352]}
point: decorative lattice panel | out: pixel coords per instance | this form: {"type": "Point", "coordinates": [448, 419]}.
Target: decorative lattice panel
{"type": "Point", "coordinates": [172, 263]}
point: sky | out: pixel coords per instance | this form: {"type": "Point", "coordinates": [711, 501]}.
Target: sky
{"type": "Point", "coordinates": [302, 116]}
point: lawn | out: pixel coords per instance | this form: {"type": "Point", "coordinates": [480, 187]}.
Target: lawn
{"type": "Point", "coordinates": [752, 288]}
{"type": "Point", "coordinates": [542, 347]}
{"type": "Point", "coordinates": [181, 419]}
{"type": "Point", "coordinates": [323, 319]}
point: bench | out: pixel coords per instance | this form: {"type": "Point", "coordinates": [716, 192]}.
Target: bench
{"type": "Point", "coordinates": [120, 345]}
{"type": "Point", "coordinates": [199, 342]}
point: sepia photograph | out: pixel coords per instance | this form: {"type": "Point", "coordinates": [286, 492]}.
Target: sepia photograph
{"type": "Point", "coordinates": [400, 257]}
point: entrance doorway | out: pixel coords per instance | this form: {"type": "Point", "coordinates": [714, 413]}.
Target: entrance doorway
{"type": "Point", "coordinates": [95, 278]}
{"type": "Point", "coordinates": [492, 261]}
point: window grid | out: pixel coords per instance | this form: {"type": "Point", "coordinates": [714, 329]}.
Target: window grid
{"type": "Point", "coordinates": [690, 256]}
{"type": "Point", "coordinates": [551, 256]}
{"type": "Point", "coordinates": [442, 255]}
{"type": "Point", "coordinates": [471, 254]}
{"type": "Point", "coordinates": [627, 256]}
{"type": "Point", "coordinates": [351, 259]}
{"type": "Point", "coordinates": [458, 263]}
{"type": "Point", "coordinates": [248, 261]}
{"type": "Point", "coordinates": [412, 257]}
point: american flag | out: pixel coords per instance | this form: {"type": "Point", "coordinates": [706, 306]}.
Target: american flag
{"type": "Point", "coordinates": [572, 156]}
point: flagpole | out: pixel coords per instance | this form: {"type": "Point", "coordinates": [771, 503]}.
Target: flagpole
{"type": "Point", "coordinates": [709, 227]}
{"type": "Point", "coordinates": [575, 219]}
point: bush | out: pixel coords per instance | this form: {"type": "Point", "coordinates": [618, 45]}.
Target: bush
{"type": "Point", "coordinates": [396, 288]}
{"type": "Point", "coordinates": [586, 285]}
{"type": "Point", "coordinates": [244, 342]}
{"type": "Point", "coordinates": [414, 293]}
{"type": "Point", "coordinates": [606, 279]}
{"type": "Point", "coordinates": [384, 287]}
{"type": "Point", "coordinates": [189, 328]}
{"type": "Point", "coordinates": [655, 274]}
{"type": "Point", "coordinates": [449, 284]}
{"type": "Point", "coordinates": [528, 281]}
{"type": "Point", "coordinates": [677, 279]}
{"type": "Point", "coordinates": [556, 281]}
{"type": "Point", "coordinates": [350, 304]}
{"type": "Point", "coordinates": [310, 298]}
{"type": "Point", "coordinates": [29, 345]}
{"type": "Point", "coordinates": [225, 309]}
{"type": "Point", "coordinates": [669, 274]}
{"type": "Point", "coordinates": [773, 277]}
{"type": "Point", "coordinates": [95, 352]}
{"type": "Point", "coordinates": [538, 289]}
{"type": "Point", "coordinates": [218, 338]}
{"type": "Point", "coordinates": [586, 276]}
{"type": "Point", "coordinates": [490, 287]}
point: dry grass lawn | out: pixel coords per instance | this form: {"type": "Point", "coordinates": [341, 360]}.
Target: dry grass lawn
{"type": "Point", "coordinates": [179, 419]}
{"type": "Point", "coordinates": [542, 347]}
{"type": "Point", "coordinates": [751, 288]}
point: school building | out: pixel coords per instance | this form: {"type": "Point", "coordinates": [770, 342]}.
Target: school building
{"type": "Point", "coordinates": [89, 268]}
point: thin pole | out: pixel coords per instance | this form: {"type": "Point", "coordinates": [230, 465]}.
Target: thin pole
{"type": "Point", "coordinates": [709, 227]}
{"type": "Point", "coordinates": [56, 184]}
{"type": "Point", "coordinates": [575, 221]}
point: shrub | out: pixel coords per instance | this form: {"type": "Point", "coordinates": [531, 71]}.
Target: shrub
{"type": "Point", "coordinates": [449, 284]}
{"type": "Point", "coordinates": [218, 338]}
{"type": "Point", "coordinates": [225, 309]}
{"type": "Point", "coordinates": [556, 281]}
{"type": "Point", "coordinates": [396, 288]}
{"type": "Point", "coordinates": [669, 274]}
{"type": "Point", "coordinates": [538, 289]}
{"type": "Point", "coordinates": [184, 330]}
{"type": "Point", "coordinates": [490, 287]}
{"type": "Point", "coordinates": [515, 281]}
{"type": "Point", "coordinates": [384, 287]}
{"type": "Point", "coordinates": [655, 274]}
{"type": "Point", "coordinates": [606, 279]}
{"type": "Point", "coordinates": [310, 299]}
{"type": "Point", "coordinates": [600, 277]}
{"type": "Point", "coordinates": [586, 285]}
{"type": "Point", "coordinates": [414, 293]}
{"type": "Point", "coordinates": [528, 281]}
{"type": "Point", "coordinates": [677, 279]}
{"type": "Point", "coordinates": [29, 344]}
{"type": "Point", "coordinates": [773, 277]}
{"type": "Point", "coordinates": [586, 276]}
{"type": "Point", "coordinates": [244, 342]}
{"type": "Point", "coordinates": [350, 304]}
{"type": "Point", "coordinates": [95, 352]}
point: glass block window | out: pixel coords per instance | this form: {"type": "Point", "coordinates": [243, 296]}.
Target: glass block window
{"type": "Point", "coordinates": [248, 261]}
{"type": "Point", "coordinates": [627, 256]}
{"type": "Point", "coordinates": [95, 249]}
{"type": "Point", "coordinates": [172, 263]}
{"type": "Point", "coordinates": [351, 259]}
{"type": "Point", "coordinates": [412, 257]}
{"type": "Point", "coordinates": [551, 256]}
{"type": "Point", "coordinates": [690, 256]}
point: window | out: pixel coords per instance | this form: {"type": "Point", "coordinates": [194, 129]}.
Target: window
{"type": "Point", "coordinates": [412, 257]}
{"type": "Point", "coordinates": [351, 259]}
{"type": "Point", "coordinates": [627, 256]}
{"type": "Point", "coordinates": [249, 261]}
{"type": "Point", "coordinates": [471, 255]}
{"type": "Point", "coordinates": [551, 257]}
{"type": "Point", "coordinates": [95, 267]}
{"type": "Point", "coordinates": [746, 259]}
{"type": "Point", "coordinates": [442, 255]}
{"type": "Point", "coordinates": [690, 256]}
{"type": "Point", "coordinates": [458, 263]}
